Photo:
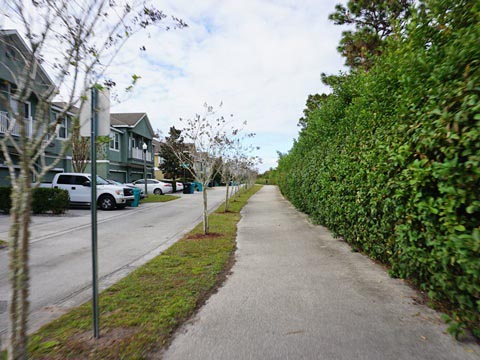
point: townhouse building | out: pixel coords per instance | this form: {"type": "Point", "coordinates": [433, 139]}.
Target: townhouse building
{"type": "Point", "coordinates": [123, 158]}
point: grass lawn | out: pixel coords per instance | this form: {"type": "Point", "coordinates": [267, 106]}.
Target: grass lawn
{"type": "Point", "coordinates": [158, 198]}
{"type": "Point", "coordinates": [139, 314]}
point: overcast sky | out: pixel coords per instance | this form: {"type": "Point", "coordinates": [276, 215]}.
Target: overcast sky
{"type": "Point", "coordinates": [260, 58]}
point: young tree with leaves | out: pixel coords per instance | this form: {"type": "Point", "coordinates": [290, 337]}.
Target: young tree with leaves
{"type": "Point", "coordinates": [77, 42]}
{"type": "Point", "coordinates": [171, 164]}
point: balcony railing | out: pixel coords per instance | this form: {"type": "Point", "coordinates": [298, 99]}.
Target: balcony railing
{"type": "Point", "coordinates": [6, 122]}
{"type": "Point", "coordinates": [138, 154]}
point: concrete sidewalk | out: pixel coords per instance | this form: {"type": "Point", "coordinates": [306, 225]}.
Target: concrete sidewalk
{"type": "Point", "coordinates": [297, 293]}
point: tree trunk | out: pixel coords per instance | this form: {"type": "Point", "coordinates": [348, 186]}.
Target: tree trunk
{"type": "Point", "coordinates": [174, 183]}
{"type": "Point", "coordinates": [19, 269]}
{"type": "Point", "coordinates": [226, 196]}
{"type": "Point", "coordinates": [205, 211]}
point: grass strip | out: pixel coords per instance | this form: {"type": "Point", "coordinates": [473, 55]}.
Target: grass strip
{"type": "Point", "coordinates": [159, 198]}
{"type": "Point", "coordinates": [140, 313]}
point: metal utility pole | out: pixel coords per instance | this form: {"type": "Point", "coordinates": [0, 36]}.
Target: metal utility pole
{"type": "Point", "coordinates": [93, 184]}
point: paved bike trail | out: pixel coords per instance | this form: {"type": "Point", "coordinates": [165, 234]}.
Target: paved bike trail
{"type": "Point", "coordinates": [295, 292]}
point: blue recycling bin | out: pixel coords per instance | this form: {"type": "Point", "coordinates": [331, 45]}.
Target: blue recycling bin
{"type": "Point", "coordinates": [136, 200]}
{"type": "Point", "coordinates": [199, 186]}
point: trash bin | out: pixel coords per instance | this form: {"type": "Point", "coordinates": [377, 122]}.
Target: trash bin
{"type": "Point", "coordinates": [199, 186]}
{"type": "Point", "coordinates": [188, 188]}
{"type": "Point", "coordinates": [136, 200]}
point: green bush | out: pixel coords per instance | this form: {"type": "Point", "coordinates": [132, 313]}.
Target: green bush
{"type": "Point", "coordinates": [50, 200]}
{"type": "Point", "coordinates": [390, 160]}
{"type": "Point", "coordinates": [44, 200]}
{"type": "Point", "coordinates": [60, 201]}
{"type": "Point", "coordinates": [5, 200]}
{"type": "Point", "coordinates": [41, 200]}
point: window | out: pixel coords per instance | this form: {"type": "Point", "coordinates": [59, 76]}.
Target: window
{"type": "Point", "coordinates": [63, 129]}
{"type": "Point", "coordinates": [16, 108]}
{"type": "Point", "coordinates": [79, 180]}
{"type": "Point", "coordinates": [5, 88]}
{"type": "Point", "coordinates": [65, 179]}
{"type": "Point", "coordinates": [27, 110]}
{"type": "Point", "coordinates": [114, 141]}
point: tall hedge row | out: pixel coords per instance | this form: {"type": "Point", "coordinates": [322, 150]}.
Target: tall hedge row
{"type": "Point", "coordinates": [390, 160]}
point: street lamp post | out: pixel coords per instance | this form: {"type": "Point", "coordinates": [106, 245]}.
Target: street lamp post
{"type": "Point", "coordinates": [144, 147]}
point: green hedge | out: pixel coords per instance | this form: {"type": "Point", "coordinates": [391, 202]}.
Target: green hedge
{"type": "Point", "coordinates": [391, 159]}
{"type": "Point", "coordinates": [44, 200]}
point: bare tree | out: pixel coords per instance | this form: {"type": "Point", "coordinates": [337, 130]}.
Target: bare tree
{"type": "Point", "coordinates": [236, 157]}
{"type": "Point", "coordinates": [80, 148]}
{"type": "Point", "coordinates": [77, 42]}
{"type": "Point", "coordinates": [205, 136]}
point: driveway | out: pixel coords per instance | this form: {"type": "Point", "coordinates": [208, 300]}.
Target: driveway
{"type": "Point", "coordinates": [298, 293]}
{"type": "Point", "coordinates": [60, 255]}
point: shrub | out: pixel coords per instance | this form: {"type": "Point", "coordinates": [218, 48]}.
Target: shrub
{"type": "Point", "coordinates": [60, 201]}
{"type": "Point", "coordinates": [390, 160]}
{"type": "Point", "coordinates": [46, 199]}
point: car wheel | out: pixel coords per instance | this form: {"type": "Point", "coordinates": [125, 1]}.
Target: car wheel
{"type": "Point", "coordinates": [106, 202]}
{"type": "Point", "coordinates": [158, 192]}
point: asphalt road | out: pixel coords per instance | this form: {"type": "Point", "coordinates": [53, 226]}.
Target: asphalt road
{"type": "Point", "coordinates": [298, 293]}
{"type": "Point", "coordinates": [60, 257]}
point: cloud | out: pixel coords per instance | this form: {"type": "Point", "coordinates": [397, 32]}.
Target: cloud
{"type": "Point", "coordinates": [261, 58]}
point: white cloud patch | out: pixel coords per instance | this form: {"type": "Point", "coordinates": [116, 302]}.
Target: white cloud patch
{"type": "Point", "coordinates": [261, 58]}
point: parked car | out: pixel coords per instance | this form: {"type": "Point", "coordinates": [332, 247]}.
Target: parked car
{"type": "Point", "coordinates": [154, 186]}
{"type": "Point", "coordinates": [78, 186]}
{"type": "Point", "coordinates": [118, 183]}
{"type": "Point", "coordinates": [179, 184]}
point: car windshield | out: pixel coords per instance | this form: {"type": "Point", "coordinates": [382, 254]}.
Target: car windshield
{"type": "Point", "coordinates": [101, 181]}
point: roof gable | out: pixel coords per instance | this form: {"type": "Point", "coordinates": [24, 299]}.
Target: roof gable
{"type": "Point", "coordinates": [126, 119]}
{"type": "Point", "coordinates": [132, 121]}
{"type": "Point", "coordinates": [16, 49]}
